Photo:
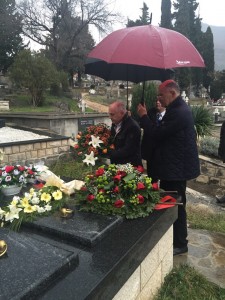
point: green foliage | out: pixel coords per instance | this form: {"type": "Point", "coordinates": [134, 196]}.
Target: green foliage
{"type": "Point", "coordinates": [208, 56]}
{"type": "Point", "coordinates": [10, 33]}
{"type": "Point", "coordinates": [166, 16]}
{"type": "Point", "coordinates": [119, 190]}
{"type": "Point", "coordinates": [203, 120]}
{"type": "Point", "coordinates": [150, 95]}
{"type": "Point", "coordinates": [209, 146]}
{"type": "Point", "coordinates": [34, 72]}
{"type": "Point", "coordinates": [185, 283]}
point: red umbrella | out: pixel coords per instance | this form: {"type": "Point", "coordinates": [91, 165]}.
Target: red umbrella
{"type": "Point", "coordinates": [142, 53]}
{"type": "Point", "coordinates": [149, 46]}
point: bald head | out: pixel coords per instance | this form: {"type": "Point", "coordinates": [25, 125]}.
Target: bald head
{"type": "Point", "coordinates": [117, 110]}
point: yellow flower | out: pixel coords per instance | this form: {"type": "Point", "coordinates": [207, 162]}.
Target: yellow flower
{"type": "Point", "coordinates": [25, 202]}
{"type": "Point", "coordinates": [32, 190]}
{"type": "Point", "coordinates": [29, 209]}
{"type": "Point", "coordinates": [46, 197]}
{"type": "Point", "coordinates": [57, 195]}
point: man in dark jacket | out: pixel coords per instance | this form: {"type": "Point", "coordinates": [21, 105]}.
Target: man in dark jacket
{"type": "Point", "coordinates": [156, 115]}
{"type": "Point", "coordinates": [221, 153]}
{"type": "Point", "coordinates": [176, 157]}
{"type": "Point", "coordinates": [126, 135]}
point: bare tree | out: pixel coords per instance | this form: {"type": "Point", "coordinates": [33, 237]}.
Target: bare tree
{"type": "Point", "coordinates": [42, 19]}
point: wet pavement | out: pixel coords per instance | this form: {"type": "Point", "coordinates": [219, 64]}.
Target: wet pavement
{"type": "Point", "coordinates": [206, 253]}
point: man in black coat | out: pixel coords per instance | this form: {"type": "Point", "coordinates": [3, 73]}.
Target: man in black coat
{"type": "Point", "coordinates": [221, 153]}
{"type": "Point", "coordinates": [176, 156]}
{"type": "Point", "coordinates": [126, 134]}
{"type": "Point", "coordinates": [156, 115]}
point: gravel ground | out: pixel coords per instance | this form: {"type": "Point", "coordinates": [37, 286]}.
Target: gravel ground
{"type": "Point", "coordinates": [8, 134]}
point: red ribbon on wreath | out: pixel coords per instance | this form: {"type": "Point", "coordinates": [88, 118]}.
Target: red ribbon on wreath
{"type": "Point", "coordinates": [166, 202]}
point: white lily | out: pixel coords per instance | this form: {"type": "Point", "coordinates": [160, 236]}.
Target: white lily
{"type": "Point", "coordinates": [2, 213]}
{"type": "Point", "coordinates": [95, 141]}
{"type": "Point", "coordinates": [12, 214]}
{"type": "Point", "coordinates": [90, 159]}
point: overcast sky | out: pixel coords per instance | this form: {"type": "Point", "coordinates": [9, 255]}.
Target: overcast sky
{"type": "Point", "coordinates": [211, 12]}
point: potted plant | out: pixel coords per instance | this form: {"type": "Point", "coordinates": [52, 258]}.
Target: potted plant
{"type": "Point", "coordinates": [12, 178]}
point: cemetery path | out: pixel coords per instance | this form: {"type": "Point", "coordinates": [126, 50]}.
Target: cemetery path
{"type": "Point", "coordinates": [94, 105]}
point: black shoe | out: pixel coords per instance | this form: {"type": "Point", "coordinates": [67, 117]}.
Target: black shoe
{"type": "Point", "coordinates": [178, 251]}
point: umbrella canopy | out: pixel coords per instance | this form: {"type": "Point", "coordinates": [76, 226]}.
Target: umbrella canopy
{"type": "Point", "coordinates": [142, 53]}
{"type": "Point", "coordinates": [149, 46]}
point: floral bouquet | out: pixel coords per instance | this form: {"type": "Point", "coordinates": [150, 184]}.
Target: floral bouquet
{"type": "Point", "coordinates": [31, 205]}
{"type": "Point", "coordinates": [12, 175]}
{"type": "Point", "coordinates": [93, 142]}
{"type": "Point", "coordinates": [119, 190]}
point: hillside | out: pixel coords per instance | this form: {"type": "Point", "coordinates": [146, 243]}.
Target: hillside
{"type": "Point", "coordinates": [219, 45]}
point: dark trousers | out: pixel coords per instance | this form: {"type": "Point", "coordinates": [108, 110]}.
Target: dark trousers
{"type": "Point", "coordinates": [180, 225]}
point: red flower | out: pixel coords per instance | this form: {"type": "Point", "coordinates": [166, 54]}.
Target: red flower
{"type": "Point", "coordinates": [140, 186]}
{"type": "Point", "coordinates": [140, 169]}
{"type": "Point", "coordinates": [99, 172]}
{"type": "Point", "coordinates": [83, 188]}
{"type": "Point", "coordinates": [90, 197]}
{"type": "Point", "coordinates": [21, 168]}
{"type": "Point", "coordinates": [30, 172]}
{"type": "Point", "coordinates": [122, 173]}
{"type": "Point", "coordinates": [9, 169]}
{"type": "Point", "coordinates": [119, 203]}
{"type": "Point", "coordinates": [155, 186]}
{"type": "Point", "coordinates": [76, 146]}
{"type": "Point", "coordinates": [39, 185]}
{"type": "Point", "coordinates": [116, 189]}
{"type": "Point", "coordinates": [140, 198]}
{"type": "Point", "coordinates": [117, 177]}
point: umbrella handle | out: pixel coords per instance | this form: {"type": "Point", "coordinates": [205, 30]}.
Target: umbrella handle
{"type": "Point", "coordinates": [142, 96]}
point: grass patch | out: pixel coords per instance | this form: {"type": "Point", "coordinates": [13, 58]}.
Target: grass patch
{"type": "Point", "coordinates": [201, 217]}
{"type": "Point", "coordinates": [185, 283]}
{"type": "Point", "coordinates": [22, 103]}
{"type": "Point", "coordinates": [70, 168]}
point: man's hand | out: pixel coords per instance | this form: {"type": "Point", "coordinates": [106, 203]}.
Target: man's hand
{"type": "Point", "coordinates": [141, 110]}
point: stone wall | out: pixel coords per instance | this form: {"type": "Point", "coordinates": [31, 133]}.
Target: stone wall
{"type": "Point", "coordinates": [212, 171]}
{"type": "Point", "coordinates": [65, 124]}
{"type": "Point", "coordinates": [149, 276]}
{"type": "Point", "coordinates": [33, 151]}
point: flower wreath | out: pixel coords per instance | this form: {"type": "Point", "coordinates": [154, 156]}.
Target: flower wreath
{"type": "Point", "coordinates": [119, 190]}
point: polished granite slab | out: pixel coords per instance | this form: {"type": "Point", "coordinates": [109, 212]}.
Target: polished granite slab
{"type": "Point", "coordinates": [84, 228]}
{"type": "Point", "coordinates": [31, 264]}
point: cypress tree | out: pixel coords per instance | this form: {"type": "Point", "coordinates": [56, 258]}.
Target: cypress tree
{"type": "Point", "coordinates": [10, 34]}
{"type": "Point", "coordinates": [166, 15]}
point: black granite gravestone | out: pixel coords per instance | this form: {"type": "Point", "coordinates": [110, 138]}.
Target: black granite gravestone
{"type": "Point", "coordinates": [31, 264]}
{"type": "Point", "coordinates": [85, 228]}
